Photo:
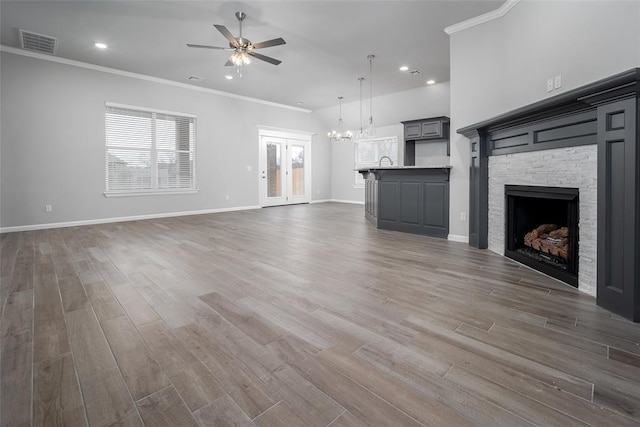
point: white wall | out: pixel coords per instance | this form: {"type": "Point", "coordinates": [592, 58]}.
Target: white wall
{"type": "Point", "coordinates": [504, 64]}
{"type": "Point", "coordinates": [53, 144]}
{"type": "Point", "coordinates": [389, 111]}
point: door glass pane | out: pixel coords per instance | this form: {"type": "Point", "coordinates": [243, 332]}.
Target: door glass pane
{"type": "Point", "coordinates": [274, 180]}
{"type": "Point", "coordinates": [297, 170]}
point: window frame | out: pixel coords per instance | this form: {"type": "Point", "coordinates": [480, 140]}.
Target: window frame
{"type": "Point", "coordinates": [358, 179]}
{"type": "Point", "coordinates": [153, 154]}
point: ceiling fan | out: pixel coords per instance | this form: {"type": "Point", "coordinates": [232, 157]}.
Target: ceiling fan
{"type": "Point", "coordinates": [242, 48]}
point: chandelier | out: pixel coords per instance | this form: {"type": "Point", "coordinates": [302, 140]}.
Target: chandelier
{"type": "Point", "coordinates": [336, 134]}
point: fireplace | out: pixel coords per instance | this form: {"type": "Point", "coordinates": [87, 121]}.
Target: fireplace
{"type": "Point", "coordinates": [586, 138]}
{"type": "Point", "coordinates": [542, 229]}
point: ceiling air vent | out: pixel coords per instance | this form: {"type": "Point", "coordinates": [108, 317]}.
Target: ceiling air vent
{"type": "Point", "coordinates": [38, 42]}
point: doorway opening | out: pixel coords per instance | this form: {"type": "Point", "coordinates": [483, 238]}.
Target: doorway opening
{"type": "Point", "coordinates": [285, 167]}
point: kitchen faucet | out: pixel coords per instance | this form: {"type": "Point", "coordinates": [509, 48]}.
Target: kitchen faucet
{"type": "Point", "coordinates": [385, 157]}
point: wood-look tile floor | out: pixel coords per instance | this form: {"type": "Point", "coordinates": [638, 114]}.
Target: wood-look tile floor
{"type": "Point", "coordinates": [300, 315]}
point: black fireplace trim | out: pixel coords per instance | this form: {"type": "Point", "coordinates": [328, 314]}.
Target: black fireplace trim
{"type": "Point", "coordinates": [558, 193]}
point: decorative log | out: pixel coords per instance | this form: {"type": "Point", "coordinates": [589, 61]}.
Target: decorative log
{"type": "Point", "coordinates": [549, 239]}
{"type": "Point", "coordinates": [546, 228]}
{"type": "Point", "coordinates": [560, 233]}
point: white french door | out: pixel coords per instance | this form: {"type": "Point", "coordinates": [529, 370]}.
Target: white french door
{"type": "Point", "coordinates": [285, 169]}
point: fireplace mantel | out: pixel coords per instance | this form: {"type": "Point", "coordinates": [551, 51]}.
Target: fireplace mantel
{"type": "Point", "coordinates": [605, 113]}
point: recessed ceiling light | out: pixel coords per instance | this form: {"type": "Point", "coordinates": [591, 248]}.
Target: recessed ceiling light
{"type": "Point", "coordinates": [228, 77]}
{"type": "Point", "coordinates": [100, 45]}
{"type": "Point", "coordinates": [431, 82]}
{"type": "Point", "coordinates": [300, 102]}
{"type": "Point", "coordinates": [404, 68]}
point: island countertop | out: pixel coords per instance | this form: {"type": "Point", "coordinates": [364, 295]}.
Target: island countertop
{"type": "Point", "coordinates": [369, 168]}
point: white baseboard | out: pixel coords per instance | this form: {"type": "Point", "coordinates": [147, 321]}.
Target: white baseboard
{"type": "Point", "coordinates": [456, 238]}
{"type": "Point", "coordinates": [351, 202]}
{"type": "Point", "coordinates": [121, 219]}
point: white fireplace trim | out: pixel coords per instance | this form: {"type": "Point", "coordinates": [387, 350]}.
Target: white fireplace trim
{"type": "Point", "coordinates": [573, 167]}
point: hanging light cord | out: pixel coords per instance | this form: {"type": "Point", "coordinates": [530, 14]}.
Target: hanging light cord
{"type": "Point", "coordinates": [371, 88]}
{"type": "Point", "coordinates": [360, 79]}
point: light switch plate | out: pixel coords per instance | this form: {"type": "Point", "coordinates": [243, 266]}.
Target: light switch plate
{"type": "Point", "coordinates": [557, 83]}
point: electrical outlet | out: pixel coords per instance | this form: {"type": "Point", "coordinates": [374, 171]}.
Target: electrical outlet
{"type": "Point", "coordinates": [226, 197]}
{"type": "Point", "coordinates": [550, 84]}
{"type": "Point", "coordinates": [249, 168]}
{"type": "Point", "coordinates": [318, 192]}
{"type": "Point", "coordinates": [557, 82]}
{"type": "Point", "coordinates": [463, 216]}
{"type": "Point", "coordinates": [48, 208]}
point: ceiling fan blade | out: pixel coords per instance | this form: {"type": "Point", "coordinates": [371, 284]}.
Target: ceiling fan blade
{"type": "Point", "coordinates": [223, 30]}
{"type": "Point", "coordinates": [203, 46]}
{"type": "Point", "coordinates": [269, 43]}
{"type": "Point", "coordinates": [228, 64]}
{"type": "Point", "coordinates": [264, 58]}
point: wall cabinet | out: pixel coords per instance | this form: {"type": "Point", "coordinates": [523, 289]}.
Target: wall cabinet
{"type": "Point", "coordinates": [434, 130]}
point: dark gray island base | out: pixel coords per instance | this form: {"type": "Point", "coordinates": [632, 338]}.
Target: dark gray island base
{"type": "Point", "coordinates": [412, 199]}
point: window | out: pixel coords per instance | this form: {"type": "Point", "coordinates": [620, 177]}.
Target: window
{"type": "Point", "coordinates": [149, 151]}
{"type": "Point", "coordinates": [369, 151]}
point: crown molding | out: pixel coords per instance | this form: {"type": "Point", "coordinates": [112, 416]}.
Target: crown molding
{"type": "Point", "coordinates": [486, 17]}
{"type": "Point", "coordinates": [79, 64]}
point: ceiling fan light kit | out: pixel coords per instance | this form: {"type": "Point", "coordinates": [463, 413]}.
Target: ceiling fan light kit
{"type": "Point", "coordinates": [242, 48]}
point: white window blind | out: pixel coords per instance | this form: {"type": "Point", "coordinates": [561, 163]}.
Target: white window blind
{"type": "Point", "coordinates": [369, 151]}
{"type": "Point", "coordinates": [149, 151]}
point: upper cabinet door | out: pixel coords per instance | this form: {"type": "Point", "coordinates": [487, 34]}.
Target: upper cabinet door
{"type": "Point", "coordinates": [412, 131]}
{"type": "Point", "coordinates": [432, 129]}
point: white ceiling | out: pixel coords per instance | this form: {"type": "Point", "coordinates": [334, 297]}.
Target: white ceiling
{"type": "Point", "coordinates": [326, 51]}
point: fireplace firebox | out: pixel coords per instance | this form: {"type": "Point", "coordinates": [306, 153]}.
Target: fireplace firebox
{"type": "Point", "coordinates": [542, 229]}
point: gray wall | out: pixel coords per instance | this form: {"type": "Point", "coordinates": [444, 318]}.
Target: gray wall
{"type": "Point", "coordinates": [504, 64]}
{"type": "Point", "coordinates": [389, 111]}
{"type": "Point", "coordinates": [53, 144]}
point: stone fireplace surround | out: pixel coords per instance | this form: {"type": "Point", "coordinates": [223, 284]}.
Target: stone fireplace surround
{"type": "Point", "coordinates": [587, 138]}
{"type": "Point", "coordinates": [574, 167]}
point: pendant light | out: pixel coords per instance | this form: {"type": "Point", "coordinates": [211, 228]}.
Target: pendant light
{"type": "Point", "coordinates": [336, 134]}
{"type": "Point", "coordinates": [360, 134]}
{"type": "Point", "coordinates": [370, 132]}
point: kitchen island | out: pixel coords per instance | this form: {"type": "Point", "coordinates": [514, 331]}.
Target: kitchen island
{"type": "Point", "coordinates": [412, 199]}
